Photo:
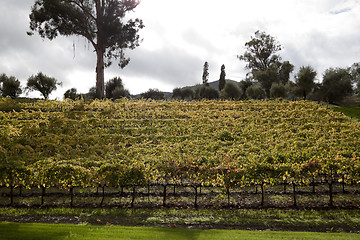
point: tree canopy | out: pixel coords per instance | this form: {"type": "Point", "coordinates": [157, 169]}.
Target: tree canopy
{"type": "Point", "coordinates": [264, 62]}
{"type": "Point", "coordinates": [71, 94]}
{"type": "Point", "coordinates": [305, 80]}
{"type": "Point", "coordinates": [231, 91]}
{"type": "Point", "coordinates": [261, 52]}
{"type": "Point", "coordinates": [154, 94]}
{"type": "Point", "coordinates": [9, 86]}
{"type": "Point", "coordinates": [205, 76]}
{"type": "Point", "coordinates": [114, 89]}
{"type": "Point", "coordinates": [336, 85]}
{"type": "Point", "coordinates": [222, 78]}
{"type": "Point", "coordinates": [42, 83]}
{"type": "Point", "coordinates": [101, 22]}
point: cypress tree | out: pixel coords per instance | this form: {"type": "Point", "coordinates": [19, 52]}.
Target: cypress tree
{"type": "Point", "coordinates": [222, 78]}
{"type": "Point", "coordinates": [205, 76]}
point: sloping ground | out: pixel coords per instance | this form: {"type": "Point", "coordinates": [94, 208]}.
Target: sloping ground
{"type": "Point", "coordinates": [223, 143]}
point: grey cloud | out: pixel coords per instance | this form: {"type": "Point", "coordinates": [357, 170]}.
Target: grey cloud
{"type": "Point", "coordinates": [171, 65]}
{"type": "Point", "coordinates": [24, 56]}
{"type": "Point", "coordinates": [193, 37]}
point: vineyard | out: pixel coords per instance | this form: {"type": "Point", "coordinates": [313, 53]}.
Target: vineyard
{"type": "Point", "coordinates": [170, 152]}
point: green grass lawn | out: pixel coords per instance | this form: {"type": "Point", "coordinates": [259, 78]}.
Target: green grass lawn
{"type": "Point", "coordinates": [32, 231]}
{"type": "Point", "coordinates": [353, 112]}
{"type": "Point", "coordinates": [330, 220]}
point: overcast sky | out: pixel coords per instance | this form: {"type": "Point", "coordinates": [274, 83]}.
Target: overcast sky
{"type": "Point", "coordinates": [180, 35]}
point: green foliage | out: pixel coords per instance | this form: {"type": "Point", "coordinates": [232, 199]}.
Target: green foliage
{"type": "Point", "coordinates": [133, 143]}
{"type": "Point", "coordinates": [244, 84]}
{"type": "Point", "coordinates": [255, 91]}
{"type": "Point", "coordinates": [71, 94]}
{"type": "Point", "coordinates": [305, 81]}
{"type": "Point", "coordinates": [9, 105]}
{"type": "Point", "coordinates": [205, 77]}
{"type": "Point", "coordinates": [206, 92]}
{"type": "Point", "coordinates": [291, 90]}
{"type": "Point", "coordinates": [114, 89]}
{"type": "Point", "coordinates": [154, 94]}
{"type": "Point", "coordinates": [354, 71]}
{"type": "Point", "coordinates": [263, 62]}
{"type": "Point", "coordinates": [285, 69]}
{"type": "Point", "coordinates": [222, 78]}
{"type": "Point", "coordinates": [92, 93]}
{"type": "Point", "coordinates": [261, 52]}
{"type": "Point", "coordinates": [231, 91]}
{"type": "Point", "coordinates": [9, 86]}
{"type": "Point", "coordinates": [277, 90]}
{"type": "Point", "coordinates": [42, 83]}
{"type": "Point", "coordinates": [336, 85]}
{"type": "Point", "coordinates": [177, 93]}
{"type": "Point", "coordinates": [353, 112]}
{"type": "Point", "coordinates": [29, 231]}
{"type": "Point", "coordinates": [183, 93]}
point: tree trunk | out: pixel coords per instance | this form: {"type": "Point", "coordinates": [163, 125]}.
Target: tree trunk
{"type": "Point", "coordinates": [43, 192]}
{"type": "Point", "coordinates": [133, 197]}
{"type": "Point", "coordinates": [313, 186]}
{"type": "Point", "coordinates": [164, 196]}
{"type": "Point", "coordinates": [71, 196]}
{"type": "Point", "coordinates": [100, 78]}
{"type": "Point", "coordinates": [330, 193]}
{"type": "Point", "coordinates": [228, 195]}
{"type": "Point", "coordinates": [100, 48]}
{"type": "Point", "coordinates": [262, 194]}
{"type": "Point", "coordinates": [294, 194]}
{"type": "Point", "coordinates": [11, 194]}
{"type": "Point", "coordinates": [196, 197]}
{"type": "Point", "coordinates": [103, 196]}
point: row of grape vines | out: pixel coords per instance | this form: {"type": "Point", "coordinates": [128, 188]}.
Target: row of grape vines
{"type": "Point", "coordinates": [227, 144]}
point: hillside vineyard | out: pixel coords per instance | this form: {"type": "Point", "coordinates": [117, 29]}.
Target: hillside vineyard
{"type": "Point", "coordinates": [227, 144]}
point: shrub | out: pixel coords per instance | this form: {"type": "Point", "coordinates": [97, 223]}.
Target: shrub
{"type": "Point", "coordinates": [231, 91]}
{"type": "Point", "coordinates": [255, 91]}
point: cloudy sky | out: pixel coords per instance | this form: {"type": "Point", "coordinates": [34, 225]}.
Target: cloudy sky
{"type": "Point", "coordinates": [180, 35]}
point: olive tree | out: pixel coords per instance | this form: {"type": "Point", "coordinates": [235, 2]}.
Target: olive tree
{"type": "Point", "coordinates": [114, 89]}
{"type": "Point", "coordinates": [9, 86]}
{"type": "Point", "coordinates": [336, 85]}
{"type": "Point", "coordinates": [42, 83]}
{"type": "Point", "coordinates": [305, 81]}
